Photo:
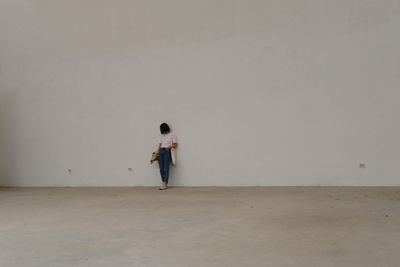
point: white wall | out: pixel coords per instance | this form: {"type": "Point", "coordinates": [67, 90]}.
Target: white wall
{"type": "Point", "coordinates": [273, 92]}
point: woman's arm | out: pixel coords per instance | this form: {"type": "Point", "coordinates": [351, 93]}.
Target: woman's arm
{"type": "Point", "coordinates": [174, 145]}
{"type": "Point", "coordinates": [158, 148]}
{"type": "Point", "coordinates": [174, 141]}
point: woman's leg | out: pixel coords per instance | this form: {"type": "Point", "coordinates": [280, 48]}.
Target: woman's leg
{"type": "Point", "coordinates": [167, 163]}
{"type": "Point", "coordinates": [161, 161]}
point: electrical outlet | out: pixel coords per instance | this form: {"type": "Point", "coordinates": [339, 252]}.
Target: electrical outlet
{"type": "Point", "coordinates": [362, 165]}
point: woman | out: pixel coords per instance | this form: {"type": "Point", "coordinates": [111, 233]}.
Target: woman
{"type": "Point", "coordinates": [168, 141]}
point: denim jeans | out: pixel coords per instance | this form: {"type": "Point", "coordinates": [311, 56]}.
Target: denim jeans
{"type": "Point", "coordinates": [164, 160]}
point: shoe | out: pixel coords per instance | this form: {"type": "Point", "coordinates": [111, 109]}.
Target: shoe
{"type": "Point", "coordinates": [154, 157]}
{"type": "Point", "coordinates": [163, 186]}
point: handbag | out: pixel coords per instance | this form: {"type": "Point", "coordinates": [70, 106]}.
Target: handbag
{"type": "Point", "coordinates": [173, 156]}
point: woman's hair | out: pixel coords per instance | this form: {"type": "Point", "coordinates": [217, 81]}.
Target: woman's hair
{"type": "Point", "coordinates": [164, 128]}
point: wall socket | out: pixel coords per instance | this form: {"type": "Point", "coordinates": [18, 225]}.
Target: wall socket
{"type": "Point", "coordinates": [361, 165]}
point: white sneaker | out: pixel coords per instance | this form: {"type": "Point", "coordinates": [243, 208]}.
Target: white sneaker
{"type": "Point", "coordinates": [163, 186]}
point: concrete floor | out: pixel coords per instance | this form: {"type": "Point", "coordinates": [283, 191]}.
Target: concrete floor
{"type": "Point", "coordinates": [53, 227]}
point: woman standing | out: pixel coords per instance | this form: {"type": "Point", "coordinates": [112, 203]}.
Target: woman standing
{"type": "Point", "coordinates": [168, 141]}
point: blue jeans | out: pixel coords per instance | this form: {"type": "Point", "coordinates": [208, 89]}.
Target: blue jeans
{"type": "Point", "coordinates": [164, 160]}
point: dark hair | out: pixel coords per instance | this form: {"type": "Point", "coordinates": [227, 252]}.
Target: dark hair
{"type": "Point", "coordinates": [164, 128]}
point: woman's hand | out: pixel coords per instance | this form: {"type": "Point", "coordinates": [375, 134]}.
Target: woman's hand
{"type": "Point", "coordinates": [174, 145]}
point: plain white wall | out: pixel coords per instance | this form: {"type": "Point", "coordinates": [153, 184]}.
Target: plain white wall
{"type": "Point", "coordinates": [260, 92]}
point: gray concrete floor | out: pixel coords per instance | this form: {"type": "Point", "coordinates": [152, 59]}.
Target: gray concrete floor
{"type": "Point", "coordinates": [72, 227]}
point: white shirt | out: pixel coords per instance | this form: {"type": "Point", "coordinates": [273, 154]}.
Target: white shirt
{"type": "Point", "coordinates": [168, 139]}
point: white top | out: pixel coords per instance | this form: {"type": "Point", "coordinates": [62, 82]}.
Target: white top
{"type": "Point", "coordinates": [168, 139]}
